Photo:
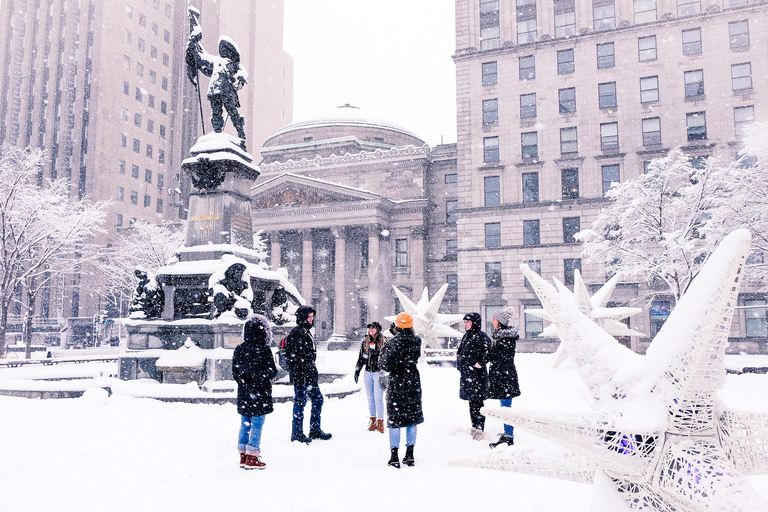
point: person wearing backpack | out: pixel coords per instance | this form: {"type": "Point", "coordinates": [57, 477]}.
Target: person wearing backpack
{"type": "Point", "coordinates": [301, 354]}
{"type": "Point", "coordinates": [253, 368]}
{"type": "Point", "coordinates": [368, 358]}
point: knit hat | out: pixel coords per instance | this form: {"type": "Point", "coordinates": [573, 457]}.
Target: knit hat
{"type": "Point", "coordinates": [404, 320]}
{"type": "Point", "coordinates": [257, 330]}
{"type": "Point", "coordinates": [504, 316]}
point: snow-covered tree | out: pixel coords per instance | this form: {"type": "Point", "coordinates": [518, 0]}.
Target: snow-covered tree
{"type": "Point", "coordinates": [661, 226]}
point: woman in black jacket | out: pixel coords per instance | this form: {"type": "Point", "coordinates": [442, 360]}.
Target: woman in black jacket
{"type": "Point", "coordinates": [253, 368]}
{"type": "Point", "coordinates": [399, 357]}
{"type": "Point", "coordinates": [368, 358]}
{"type": "Point", "coordinates": [471, 360]}
{"type": "Point", "coordinates": [502, 371]}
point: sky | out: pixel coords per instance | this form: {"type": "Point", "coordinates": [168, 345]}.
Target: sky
{"type": "Point", "coordinates": [392, 59]}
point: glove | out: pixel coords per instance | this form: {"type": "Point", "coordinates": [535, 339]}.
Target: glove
{"type": "Point", "coordinates": [357, 375]}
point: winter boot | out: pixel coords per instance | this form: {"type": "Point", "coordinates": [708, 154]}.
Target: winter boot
{"type": "Point", "coordinates": [477, 434]}
{"type": "Point", "coordinates": [242, 459]}
{"type": "Point", "coordinates": [371, 423]}
{"type": "Point", "coordinates": [408, 459]}
{"type": "Point", "coordinates": [503, 439]}
{"type": "Point", "coordinates": [253, 461]}
{"type": "Point", "coordinates": [319, 434]}
{"type": "Point", "coordinates": [394, 460]}
{"type": "Point", "coordinates": [300, 437]}
{"type": "Point", "coordinates": [380, 425]}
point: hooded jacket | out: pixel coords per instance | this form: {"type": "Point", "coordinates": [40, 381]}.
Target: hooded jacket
{"type": "Point", "coordinates": [300, 350]}
{"type": "Point", "coordinates": [473, 349]}
{"type": "Point", "coordinates": [502, 371]}
{"type": "Point", "coordinates": [253, 368]}
{"type": "Point", "coordinates": [399, 357]}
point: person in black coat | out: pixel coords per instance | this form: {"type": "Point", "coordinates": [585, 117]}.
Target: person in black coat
{"type": "Point", "coordinates": [399, 357]}
{"type": "Point", "coordinates": [253, 367]}
{"type": "Point", "coordinates": [301, 354]}
{"type": "Point", "coordinates": [368, 358]}
{"type": "Point", "coordinates": [502, 371]}
{"type": "Point", "coordinates": [471, 360]}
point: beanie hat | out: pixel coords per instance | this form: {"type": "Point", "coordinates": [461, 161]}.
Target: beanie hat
{"type": "Point", "coordinates": [404, 320]}
{"type": "Point", "coordinates": [503, 316]}
{"type": "Point", "coordinates": [257, 330]}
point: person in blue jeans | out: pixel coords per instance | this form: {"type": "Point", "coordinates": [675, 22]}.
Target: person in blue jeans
{"type": "Point", "coordinates": [368, 358]}
{"type": "Point", "coordinates": [253, 368]}
{"type": "Point", "coordinates": [501, 371]}
{"type": "Point", "coordinates": [301, 354]}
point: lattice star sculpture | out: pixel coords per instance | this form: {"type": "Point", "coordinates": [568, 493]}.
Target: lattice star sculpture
{"type": "Point", "coordinates": [658, 438]}
{"type": "Point", "coordinates": [594, 307]}
{"type": "Point", "coordinates": [428, 324]}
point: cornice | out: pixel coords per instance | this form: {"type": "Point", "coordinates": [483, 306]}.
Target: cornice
{"type": "Point", "coordinates": [349, 158]}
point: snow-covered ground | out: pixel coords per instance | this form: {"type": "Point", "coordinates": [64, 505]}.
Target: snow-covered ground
{"type": "Point", "coordinates": [122, 453]}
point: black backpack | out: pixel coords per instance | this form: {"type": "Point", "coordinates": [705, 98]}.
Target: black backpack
{"type": "Point", "coordinates": [282, 358]}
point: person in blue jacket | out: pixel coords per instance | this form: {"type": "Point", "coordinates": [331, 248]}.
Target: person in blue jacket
{"type": "Point", "coordinates": [472, 361]}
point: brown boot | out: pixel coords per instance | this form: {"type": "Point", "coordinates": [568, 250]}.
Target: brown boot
{"type": "Point", "coordinates": [253, 461]}
{"type": "Point", "coordinates": [371, 423]}
{"type": "Point", "coordinates": [380, 426]}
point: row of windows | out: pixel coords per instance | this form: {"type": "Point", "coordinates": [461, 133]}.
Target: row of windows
{"type": "Point", "coordinates": [606, 54]}
{"type": "Point", "coordinates": [149, 149]}
{"type": "Point", "coordinates": [134, 198]}
{"type": "Point", "coordinates": [121, 169]}
{"type": "Point", "coordinates": [532, 232]}
{"type": "Point", "coordinates": [141, 44]}
{"type": "Point", "coordinates": [603, 18]}
{"type": "Point", "coordinates": [137, 121]}
{"type": "Point", "coordinates": [143, 18]}
{"type": "Point", "coordinates": [696, 129]}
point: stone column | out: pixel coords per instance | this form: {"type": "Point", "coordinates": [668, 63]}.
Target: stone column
{"type": "Point", "coordinates": [339, 283]}
{"type": "Point", "coordinates": [418, 235]}
{"type": "Point", "coordinates": [275, 256]}
{"type": "Point", "coordinates": [306, 266]}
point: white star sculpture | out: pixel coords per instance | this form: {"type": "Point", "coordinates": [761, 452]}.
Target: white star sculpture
{"type": "Point", "coordinates": [428, 324]}
{"type": "Point", "coordinates": [658, 438]}
{"type": "Point", "coordinates": [593, 307]}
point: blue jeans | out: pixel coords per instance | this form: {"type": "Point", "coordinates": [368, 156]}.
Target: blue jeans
{"type": "Point", "coordinates": [250, 434]}
{"type": "Point", "coordinates": [410, 436]}
{"type": "Point", "coordinates": [508, 429]}
{"type": "Point", "coordinates": [299, 401]}
{"type": "Point", "coordinates": [375, 394]}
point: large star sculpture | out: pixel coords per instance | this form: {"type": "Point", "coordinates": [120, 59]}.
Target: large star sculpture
{"type": "Point", "coordinates": [428, 324]}
{"type": "Point", "coordinates": [657, 437]}
{"type": "Point", "coordinates": [594, 307]}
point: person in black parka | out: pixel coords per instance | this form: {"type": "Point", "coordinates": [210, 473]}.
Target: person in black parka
{"type": "Point", "coordinates": [399, 357]}
{"type": "Point", "coordinates": [502, 371]}
{"type": "Point", "coordinates": [471, 361]}
{"type": "Point", "coordinates": [253, 368]}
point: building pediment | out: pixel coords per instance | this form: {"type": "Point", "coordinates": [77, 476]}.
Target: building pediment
{"type": "Point", "coordinates": [292, 191]}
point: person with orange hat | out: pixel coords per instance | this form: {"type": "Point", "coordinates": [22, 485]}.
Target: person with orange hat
{"type": "Point", "coordinates": [399, 357]}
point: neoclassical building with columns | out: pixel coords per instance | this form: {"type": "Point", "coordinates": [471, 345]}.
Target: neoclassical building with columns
{"type": "Point", "coordinates": [353, 204]}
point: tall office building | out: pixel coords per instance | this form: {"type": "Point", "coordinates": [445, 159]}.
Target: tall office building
{"type": "Point", "coordinates": [559, 99]}
{"type": "Point", "coordinates": [101, 86]}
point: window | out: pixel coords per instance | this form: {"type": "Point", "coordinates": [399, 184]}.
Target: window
{"type": "Point", "coordinates": [490, 149]}
{"type": "Point", "coordinates": [137, 119]}
{"type": "Point", "coordinates": [163, 107]}
{"type": "Point", "coordinates": [150, 126]}
{"type": "Point", "coordinates": [120, 194]}
{"type": "Point", "coordinates": [451, 178]}
{"type": "Point", "coordinates": [141, 45]}
{"type": "Point", "coordinates": [166, 36]}
{"type": "Point", "coordinates": [166, 59]}
{"type": "Point", "coordinates": [124, 113]}
{"type": "Point", "coordinates": [126, 88]}
{"type": "Point", "coordinates": [526, 21]}
{"type": "Point", "coordinates": [688, 7]}
{"type": "Point", "coordinates": [565, 64]}
{"type": "Point", "coordinates": [161, 156]}
{"type": "Point", "coordinates": [570, 266]}
{"type": "Point", "coordinates": [489, 38]}
{"type": "Point", "coordinates": [453, 282]}
{"type": "Point", "coordinates": [134, 197]}
{"type": "Point", "coordinates": [490, 74]}
{"type": "Point", "coordinates": [149, 150]}
{"type": "Point", "coordinates": [606, 93]}
{"type": "Point", "coordinates": [148, 175]}
{"type": "Point", "coordinates": [159, 208]}
{"type": "Point", "coordinates": [743, 116]}
{"type": "Point", "coordinates": [570, 183]}
{"type": "Point", "coordinates": [741, 76]}
{"type": "Point", "coordinates": [121, 166]}
{"type": "Point", "coordinates": [450, 211]}
{"type": "Point", "coordinates": [529, 141]}
{"type": "Point", "coordinates": [649, 89]}
{"type": "Point", "coordinates": [153, 52]}
{"type": "Point", "coordinates": [565, 18]}
{"type": "Point", "coordinates": [151, 101]}
{"type": "Point", "coordinates": [568, 143]}
{"type": "Point", "coordinates": [118, 220]}
{"type": "Point", "coordinates": [165, 83]}
{"type": "Point", "coordinates": [493, 234]}
{"type": "Point", "coordinates": [451, 248]}
{"type": "Point", "coordinates": [756, 318]}
{"type": "Point", "coordinates": [527, 67]}
{"type": "Point", "coordinates": [645, 11]}
{"type": "Point", "coordinates": [527, 105]}
{"type": "Point", "coordinates": [126, 62]}
{"type": "Point", "coordinates": [692, 41]}
{"type": "Point", "coordinates": [530, 187]}
{"type": "Point", "coordinates": [142, 20]}
{"type": "Point", "coordinates": [160, 181]}
{"type": "Point", "coordinates": [605, 56]}
{"type": "Point", "coordinates": [646, 48]}
{"type": "Point", "coordinates": [128, 36]}
{"type": "Point", "coordinates": [136, 146]}
{"type": "Point", "coordinates": [138, 96]}
{"type": "Point", "coordinates": [147, 201]}
{"type": "Point", "coordinates": [738, 33]}
{"type": "Point", "coordinates": [609, 136]}
{"type": "Point", "coordinates": [567, 100]}
{"type": "Point", "coordinates": [162, 131]}
{"type": "Point", "coordinates": [694, 83]}
{"type": "Point", "coordinates": [493, 274]}
{"type": "Point", "coordinates": [129, 10]}
{"type": "Point", "coordinates": [610, 176]}
{"type": "Point", "coordinates": [603, 14]}
{"type": "Point", "coordinates": [401, 252]}
{"type": "Point", "coordinates": [490, 111]}
{"type": "Point", "coordinates": [123, 140]}
{"type": "Point", "coordinates": [534, 265]}
{"type": "Point", "coordinates": [646, 166]}
{"type": "Point", "coordinates": [152, 76]}
{"type": "Point", "coordinates": [489, 24]}
{"type": "Point", "coordinates": [155, 28]}
{"type": "Point", "coordinates": [533, 326]}
{"type": "Point", "coordinates": [139, 69]}
{"type": "Point", "coordinates": [696, 122]}
{"type": "Point", "coordinates": [651, 131]}
{"type": "Point", "coordinates": [571, 226]}
{"type": "Point", "coordinates": [531, 232]}
{"type": "Point", "coordinates": [735, 3]}
{"type": "Point", "coordinates": [492, 190]}
{"type": "Point", "coordinates": [135, 171]}
{"type": "Point", "coordinates": [659, 312]}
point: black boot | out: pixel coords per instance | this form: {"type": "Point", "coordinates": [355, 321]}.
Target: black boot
{"type": "Point", "coordinates": [319, 434]}
{"type": "Point", "coordinates": [503, 439]}
{"type": "Point", "coordinates": [394, 460]}
{"type": "Point", "coordinates": [408, 459]}
{"type": "Point", "coordinates": [300, 437]}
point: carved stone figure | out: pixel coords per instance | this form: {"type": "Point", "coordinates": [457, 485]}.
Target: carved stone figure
{"type": "Point", "coordinates": [148, 297]}
{"type": "Point", "coordinates": [232, 292]}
